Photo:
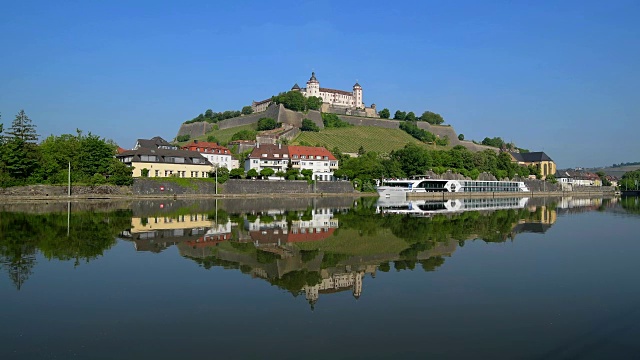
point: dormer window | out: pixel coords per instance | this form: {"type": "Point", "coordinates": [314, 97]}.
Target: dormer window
{"type": "Point", "coordinates": [264, 155]}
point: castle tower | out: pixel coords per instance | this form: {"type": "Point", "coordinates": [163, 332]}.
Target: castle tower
{"type": "Point", "coordinates": [357, 286]}
{"type": "Point", "coordinates": [357, 95]}
{"type": "Point", "coordinates": [313, 86]}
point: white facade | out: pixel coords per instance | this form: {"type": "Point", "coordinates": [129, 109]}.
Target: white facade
{"type": "Point", "coordinates": [331, 96]}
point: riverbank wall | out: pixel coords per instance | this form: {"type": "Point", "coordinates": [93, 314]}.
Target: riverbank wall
{"type": "Point", "coordinates": [180, 188]}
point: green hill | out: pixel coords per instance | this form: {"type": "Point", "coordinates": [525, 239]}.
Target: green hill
{"type": "Point", "coordinates": [223, 136]}
{"type": "Point", "coordinates": [350, 139]}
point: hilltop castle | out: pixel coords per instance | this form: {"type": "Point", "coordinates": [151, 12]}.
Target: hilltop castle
{"type": "Point", "coordinates": [333, 101]}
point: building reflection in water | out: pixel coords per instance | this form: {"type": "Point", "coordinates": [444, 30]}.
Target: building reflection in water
{"type": "Point", "coordinates": [296, 250]}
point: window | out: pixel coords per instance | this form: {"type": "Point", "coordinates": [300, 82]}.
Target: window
{"type": "Point", "coordinates": [264, 155]}
{"type": "Point", "coordinates": [157, 173]}
{"type": "Point", "coordinates": [295, 156]}
{"type": "Point", "coordinates": [148, 158]}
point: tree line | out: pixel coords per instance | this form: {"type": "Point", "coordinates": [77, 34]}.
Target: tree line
{"type": "Point", "coordinates": [427, 116]}
{"type": "Point", "coordinates": [24, 161]}
{"type": "Point", "coordinates": [417, 160]}
{"type": "Point", "coordinates": [213, 117]}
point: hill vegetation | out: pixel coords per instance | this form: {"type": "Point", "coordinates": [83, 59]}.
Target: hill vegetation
{"type": "Point", "coordinates": [351, 139]}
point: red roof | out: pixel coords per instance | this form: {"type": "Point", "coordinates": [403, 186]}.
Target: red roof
{"type": "Point", "coordinates": [310, 152]}
{"type": "Point", "coordinates": [204, 146]}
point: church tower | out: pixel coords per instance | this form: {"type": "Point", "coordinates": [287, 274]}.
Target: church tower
{"type": "Point", "coordinates": [357, 96]}
{"type": "Point", "coordinates": [313, 86]}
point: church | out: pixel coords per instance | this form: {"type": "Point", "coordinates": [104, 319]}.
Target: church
{"type": "Point", "coordinates": [333, 101]}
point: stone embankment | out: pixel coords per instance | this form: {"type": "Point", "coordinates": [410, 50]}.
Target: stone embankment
{"type": "Point", "coordinates": [184, 188]}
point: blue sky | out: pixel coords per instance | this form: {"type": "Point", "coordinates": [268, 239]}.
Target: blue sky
{"type": "Point", "coordinates": [556, 76]}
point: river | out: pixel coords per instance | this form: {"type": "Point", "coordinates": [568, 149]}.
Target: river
{"type": "Point", "coordinates": [318, 278]}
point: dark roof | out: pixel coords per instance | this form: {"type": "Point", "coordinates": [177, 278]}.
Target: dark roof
{"type": "Point", "coordinates": [270, 150]}
{"type": "Point", "coordinates": [162, 154]}
{"type": "Point", "coordinates": [154, 143]}
{"type": "Point", "coordinates": [313, 77]}
{"type": "Point", "coordinates": [295, 87]}
{"type": "Point", "coordinates": [334, 91]}
{"type": "Point", "coordinates": [358, 85]}
{"type": "Point", "coordinates": [531, 156]}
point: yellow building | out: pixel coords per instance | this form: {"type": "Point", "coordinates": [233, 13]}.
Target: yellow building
{"type": "Point", "coordinates": [160, 162]}
{"type": "Point", "coordinates": [539, 159]}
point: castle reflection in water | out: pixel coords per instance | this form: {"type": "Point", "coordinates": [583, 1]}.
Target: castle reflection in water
{"type": "Point", "coordinates": [307, 251]}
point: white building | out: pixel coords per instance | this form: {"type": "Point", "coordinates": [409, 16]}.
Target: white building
{"type": "Point", "coordinates": [318, 159]}
{"type": "Point", "coordinates": [332, 96]}
{"type": "Point", "coordinates": [217, 155]}
{"type": "Point", "coordinates": [271, 156]}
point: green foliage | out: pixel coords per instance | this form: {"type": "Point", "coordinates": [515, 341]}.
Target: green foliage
{"type": "Point", "coordinates": [461, 137]}
{"type": "Point", "coordinates": [87, 237]}
{"type": "Point", "coordinates": [292, 100]}
{"type": "Point", "coordinates": [144, 172]}
{"type": "Point", "coordinates": [314, 103]}
{"type": "Point", "coordinates": [494, 142]}
{"type": "Point", "coordinates": [213, 139]}
{"type": "Point", "coordinates": [432, 118]}
{"type": "Point", "coordinates": [309, 125]}
{"type": "Point", "coordinates": [410, 116]}
{"type": "Point", "coordinates": [333, 121]}
{"type": "Point", "coordinates": [266, 123]}
{"type": "Point", "coordinates": [552, 179]}
{"type": "Point", "coordinates": [399, 115]}
{"type": "Point", "coordinates": [412, 129]}
{"type": "Point", "coordinates": [384, 113]}
{"type": "Point", "coordinates": [223, 175]}
{"type": "Point", "coordinates": [23, 128]}
{"type": "Point", "coordinates": [630, 180]}
{"type": "Point", "coordinates": [307, 174]}
{"type": "Point", "coordinates": [444, 141]}
{"type": "Point", "coordinates": [213, 117]}
{"type": "Point", "coordinates": [246, 110]}
{"type": "Point", "coordinates": [266, 172]}
{"type": "Point", "coordinates": [236, 173]}
{"type": "Point", "coordinates": [350, 139]}
{"type": "Point", "coordinates": [252, 173]}
{"type": "Point", "coordinates": [183, 138]}
{"type": "Point", "coordinates": [244, 135]}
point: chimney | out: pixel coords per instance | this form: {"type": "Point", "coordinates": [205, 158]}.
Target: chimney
{"type": "Point", "coordinates": [257, 144]}
{"type": "Point", "coordinates": [279, 145]}
{"type": "Point", "coordinates": [195, 141]}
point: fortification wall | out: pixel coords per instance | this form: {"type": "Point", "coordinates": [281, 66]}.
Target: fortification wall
{"type": "Point", "coordinates": [201, 128]}
{"type": "Point", "coordinates": [266, 187]}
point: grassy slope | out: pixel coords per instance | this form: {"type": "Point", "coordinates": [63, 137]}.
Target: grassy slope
{"type": "Point", "coordinates": [350, 242]}
{"type": "Point", "coordinates": [350, 139]}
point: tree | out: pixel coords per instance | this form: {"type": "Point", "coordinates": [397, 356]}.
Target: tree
{"type": "Point", "coordinates": [22, 128]}
{"type": "Point", "coordinates": [144, 172]}
{"type": "Point", "coordinates": [223, 174]}
{"type": "Point", "coordinates": [252, 173]}
{"type": "Point", "coordinates": [461, 137]}
{"type": "Point", "coordinates": [410, 116]}
{"type": "Point", "coordinates": [244, 135]}
{"type": "Point", "coordinates": [307, 173]}
{"type": "Point", "coordinates": [183, 138]}
{"type": "Point", "coordinates": [236, 173]}
{"type": "Point", "coordinates": [280, 174]}
{"type": "Point", "coordinates": [384, 113]}
{"type": "Point", "coordinates": [266, 123]}
{"type": "Point", "coordinates": [399, 115]}
{"type": "Point", "coordinates": [314, 103]}
{"type": "Point", "coordinates": [246, 110]}
{"type": "Point", "coordinates": [266, 172]}
{"type": "Point", "coordinates": [361, 150]}
{"type": "Point", "coordinates": [432, 118]}
{"type": "Point", "coordinates": [309, 125]}
{"type": "Point", "coordinates": [208, 114]}
{"type": "Point", "coordinates": [212, 138]}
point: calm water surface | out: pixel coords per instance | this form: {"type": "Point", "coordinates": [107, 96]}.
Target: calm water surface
{"type": "Point", "coordinates": [321, 278]}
